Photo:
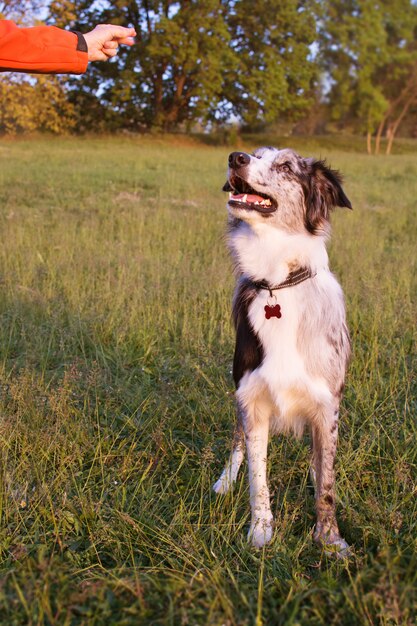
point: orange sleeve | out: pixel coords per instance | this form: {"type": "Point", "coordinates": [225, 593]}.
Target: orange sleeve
{"type": "Point", "coordinates": [41, 49]}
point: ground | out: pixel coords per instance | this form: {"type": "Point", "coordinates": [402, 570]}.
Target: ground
{"type": "Point", "coordinates": [117, 399]}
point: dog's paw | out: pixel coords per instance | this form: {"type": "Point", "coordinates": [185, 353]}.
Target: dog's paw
{"type": "Point", "coordinates": [333, 545]}
{"type": "Point", "coordinates": [261, 531]}
{"type": "Point", "coordinates": [223, 485]}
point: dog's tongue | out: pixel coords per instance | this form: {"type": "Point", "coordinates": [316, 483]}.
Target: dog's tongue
{"type": "Point", "coordinates": [247, 197]}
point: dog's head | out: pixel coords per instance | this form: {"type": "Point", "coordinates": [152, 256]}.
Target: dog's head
{"type": "Point", "coordinates": [278, 185]}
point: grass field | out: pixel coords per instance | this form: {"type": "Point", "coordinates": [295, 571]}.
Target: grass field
{"type": "Point", "coordinates": [116, 398]}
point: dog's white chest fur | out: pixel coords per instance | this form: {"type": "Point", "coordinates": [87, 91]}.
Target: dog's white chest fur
{"type": "Point", "coordinates": [266, 253]}
{"type": "Point", "coordinates": [282, 363]}
{"type": "Point", "coordinates": [293, 388]}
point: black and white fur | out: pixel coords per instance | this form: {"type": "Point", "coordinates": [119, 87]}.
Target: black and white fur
{"type": "Point", "coordinates": [289, 372]}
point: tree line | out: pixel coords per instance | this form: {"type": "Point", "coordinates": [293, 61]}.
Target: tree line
{"type": "Point", "coordinates": [349, 64]}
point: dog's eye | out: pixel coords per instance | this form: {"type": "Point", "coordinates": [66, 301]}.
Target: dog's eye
{"type": "Point", "coordinates": [283, 167]}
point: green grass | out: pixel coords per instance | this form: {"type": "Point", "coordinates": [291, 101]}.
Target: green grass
{"type": "Point", "coordinates": [117, 409]}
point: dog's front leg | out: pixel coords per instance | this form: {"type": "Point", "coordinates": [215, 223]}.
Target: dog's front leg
{"type": "Point", "coordinates": [256, 428]}
{"type": "Point", "coordinates": [324, 434]}
{"type": "Point", "coordinates": [230, 472]}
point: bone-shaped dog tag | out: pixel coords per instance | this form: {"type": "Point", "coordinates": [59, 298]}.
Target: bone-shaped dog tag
{"type": "Point", "coordinates": [272, 311]}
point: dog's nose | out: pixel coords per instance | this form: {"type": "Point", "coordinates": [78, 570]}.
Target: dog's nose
{"type": "Point", "coordinates": [238, 159]}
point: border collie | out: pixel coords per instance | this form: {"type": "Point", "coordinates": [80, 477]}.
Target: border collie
{"type": "Point", "coordinates": [292, 343]}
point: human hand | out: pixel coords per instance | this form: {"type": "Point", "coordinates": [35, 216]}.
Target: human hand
{"type": "Point", "coordinates": [103, 41]}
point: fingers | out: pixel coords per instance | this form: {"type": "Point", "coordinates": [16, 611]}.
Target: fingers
{"type": "Point", "coordinates": [109, 54]}
{"type": "Point", "coordinates": [114, 43]}
{"type": "Point", "coordinates": [111, 45]}
{"type": "Point", "coordinates": [119, 32]}
{"type": "Point", "coordinates": [127, 41]}
{"type": "Point", "coordinates": [108, 32]}
{"type": "Point", "coordinates": [103, 40]}
{"type": "Point", "coordinates": [99, 55]}
{"type": "Point", "coordinates": [109, 49]}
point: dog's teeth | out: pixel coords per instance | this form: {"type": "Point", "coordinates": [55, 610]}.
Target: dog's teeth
{"type": "Point", "coordinates": [267, 202]}
{"type": "Point", "coordinates": [230, 195]}
{"type": "Point", "coordinates": [245, 197]}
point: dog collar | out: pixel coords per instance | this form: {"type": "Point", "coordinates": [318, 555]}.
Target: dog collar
{"type": "Point", "coordinates": [293, 278]}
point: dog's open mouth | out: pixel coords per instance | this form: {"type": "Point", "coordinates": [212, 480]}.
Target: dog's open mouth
{"type": "Point", "coordinates": [242, 196]}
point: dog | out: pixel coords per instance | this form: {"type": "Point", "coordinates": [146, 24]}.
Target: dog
{"type": "Point", "coordinates": [292, 342]}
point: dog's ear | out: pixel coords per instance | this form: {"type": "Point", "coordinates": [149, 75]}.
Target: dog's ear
{"type": "Point", "coordinates": [324, 193]}
{"type": "Point", "coordinates": [227, 186]}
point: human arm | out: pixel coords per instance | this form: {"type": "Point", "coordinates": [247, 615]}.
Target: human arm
{"type": "Point", "coordinates": [47, 49]}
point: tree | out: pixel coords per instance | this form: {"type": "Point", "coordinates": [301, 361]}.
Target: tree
{"type": "Point", "coordinates": [185, 53]}
{"type": "Point", "coordinates": [40, 105]}
{"type": "Point", "coordinates": [274, 73]}
{"type": "Point", "coordinates": [401, 88]}
{"type": "Point", "coordinates": [27, 103]}
{"type": "Point", "coordinates": [369, 51]}
{"type": "Point", "coordinates": [17, 9]}
{"type": "Point", "coordinates": [197, 61]}
{"type": "Point", "coordinates": [174, 73]}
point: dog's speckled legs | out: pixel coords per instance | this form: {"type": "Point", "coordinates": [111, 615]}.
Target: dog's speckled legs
{"type": "Point", "coordinates": [326, 532]}
{"type": "Point", "coordinates": [229, 474]}
{"type": "Point", "coordinates": [255, 420]}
